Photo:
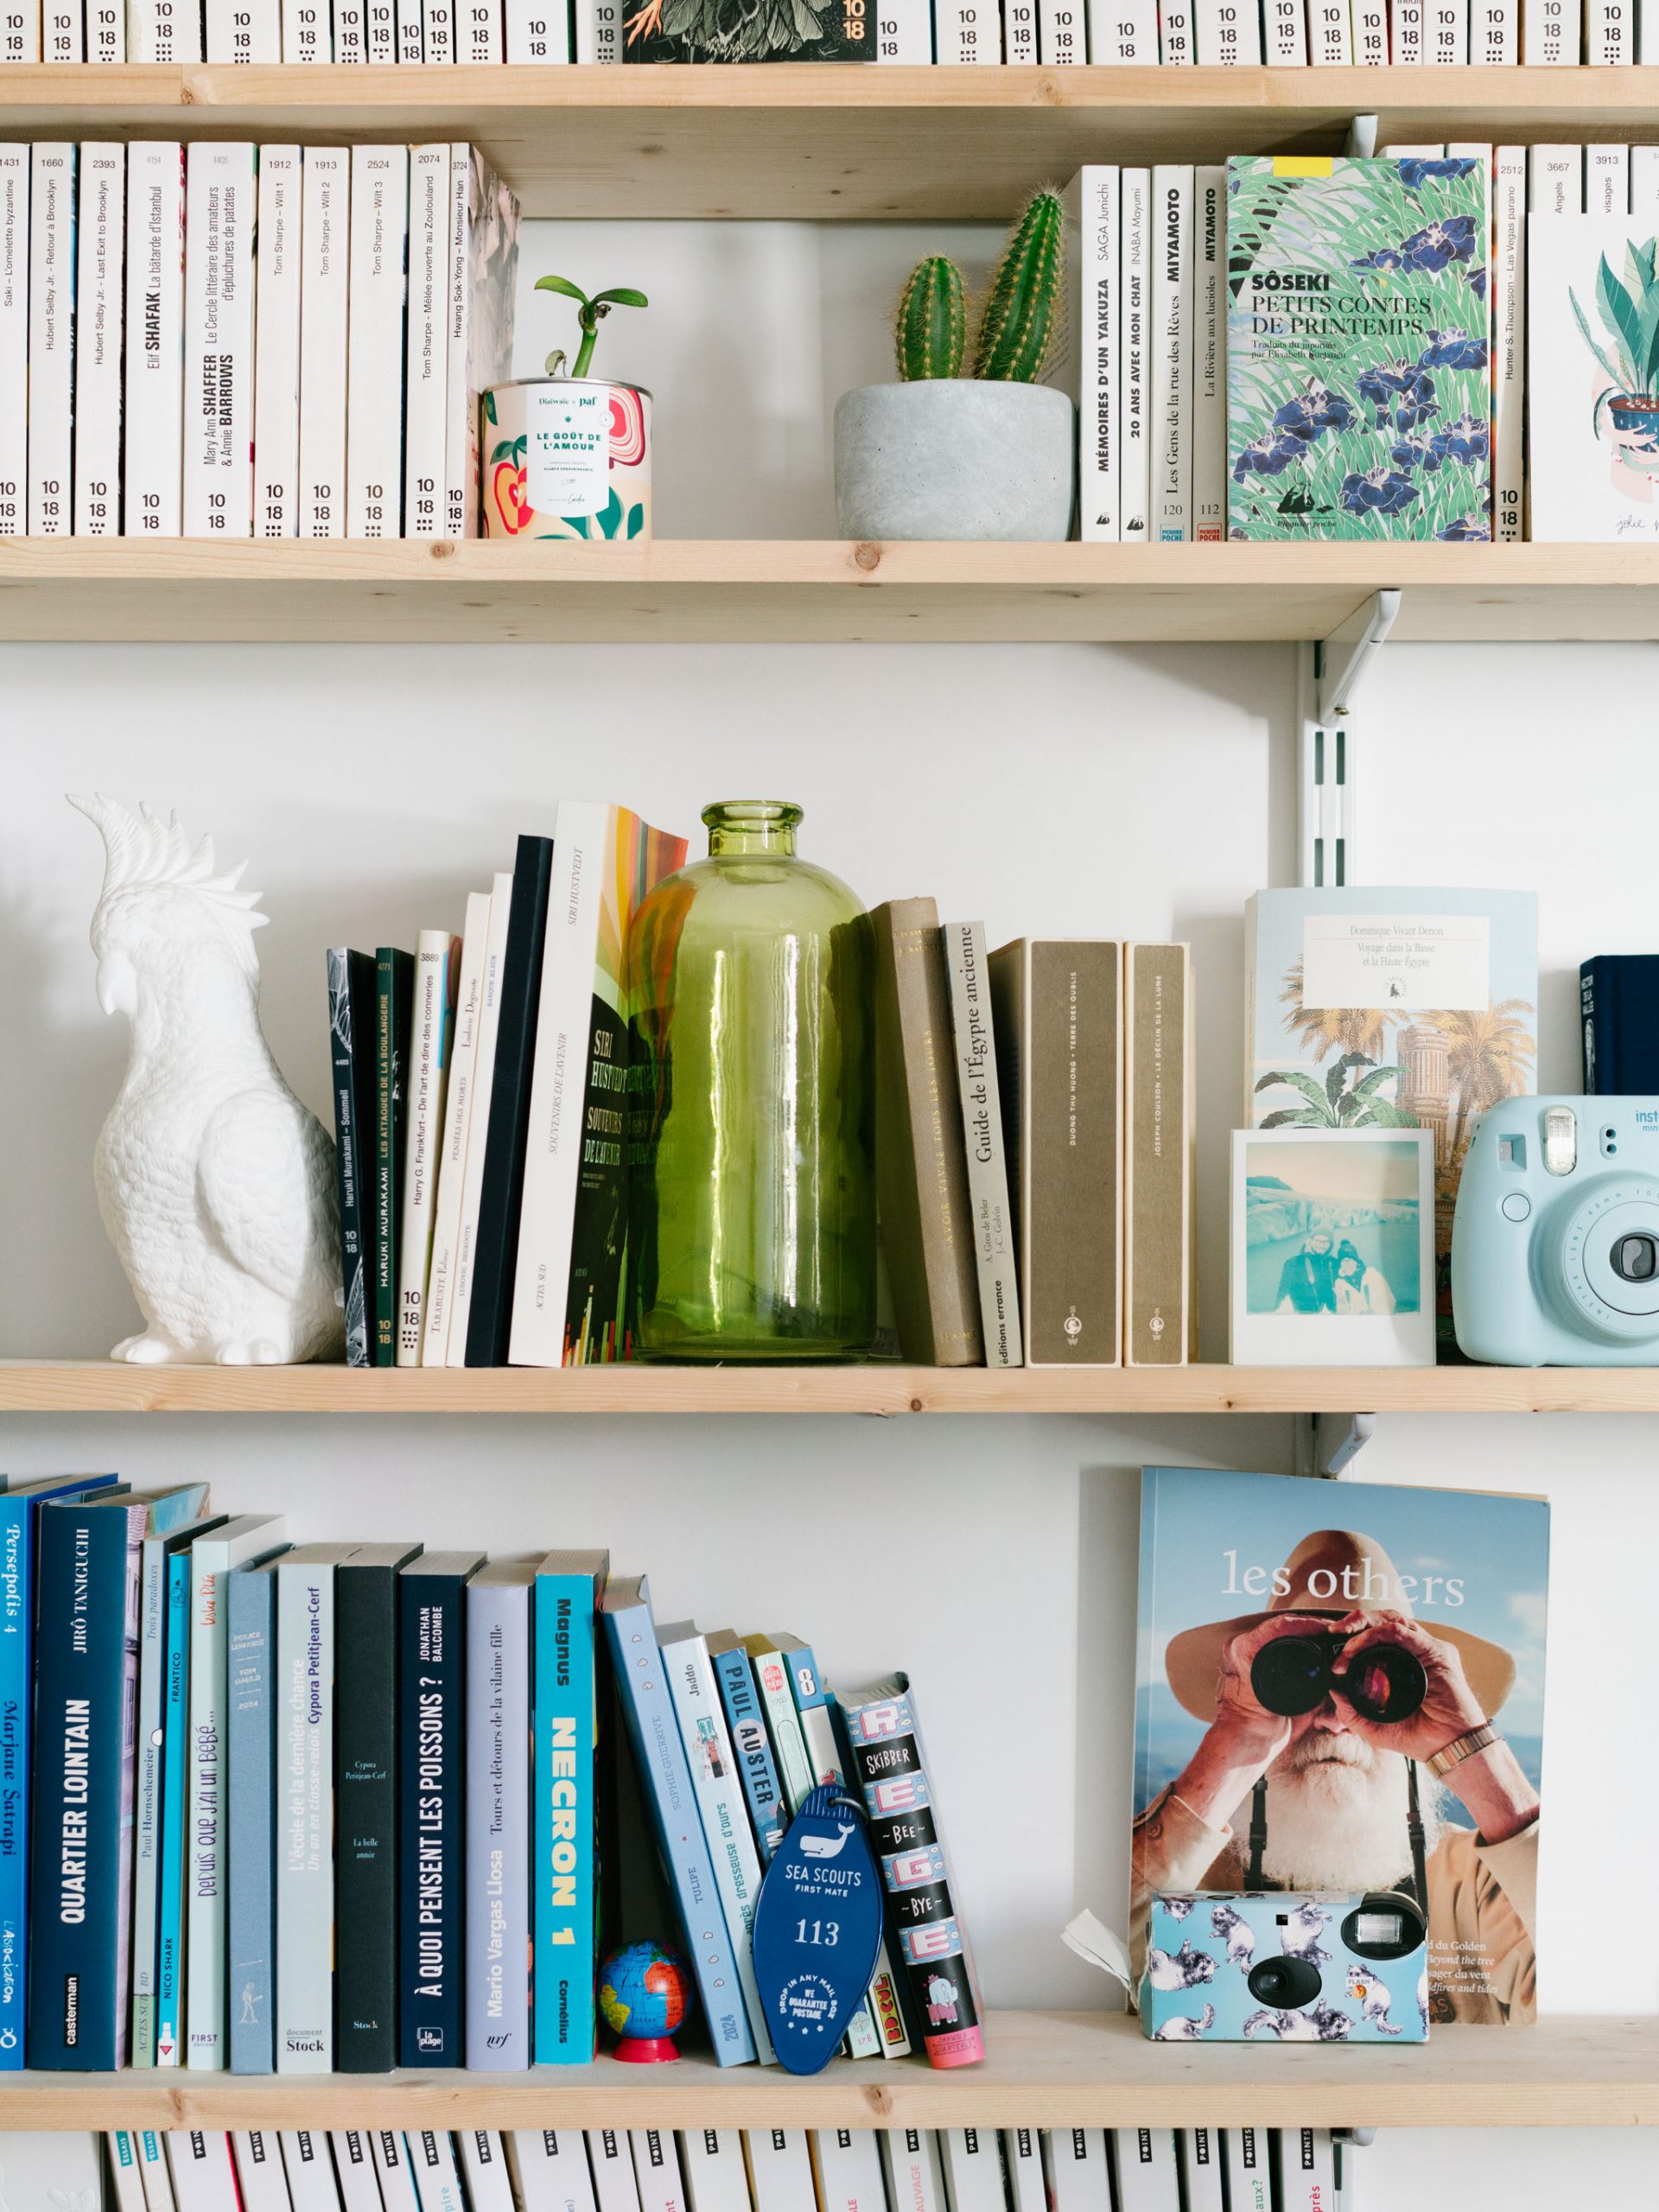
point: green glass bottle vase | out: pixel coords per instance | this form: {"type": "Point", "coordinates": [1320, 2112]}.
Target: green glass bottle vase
{"type": "Point", "coordinates": [753, 1182]}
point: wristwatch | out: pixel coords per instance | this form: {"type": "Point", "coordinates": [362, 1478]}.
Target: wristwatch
{"type": "Point", "coordinates": [1463, 1747]}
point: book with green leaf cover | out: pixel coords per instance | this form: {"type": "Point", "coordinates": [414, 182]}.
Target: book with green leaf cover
{"type": "Point", "coordinates": [1358, 348]}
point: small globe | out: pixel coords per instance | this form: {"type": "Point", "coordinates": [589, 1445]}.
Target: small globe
{"type": "Point", "coordinates": [644, 1992]}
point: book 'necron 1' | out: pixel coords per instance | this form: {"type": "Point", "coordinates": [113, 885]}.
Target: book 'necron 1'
{"type": "Point", "coordinates": [1359, 340]}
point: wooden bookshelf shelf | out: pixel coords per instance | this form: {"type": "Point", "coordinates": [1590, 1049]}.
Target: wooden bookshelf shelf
{"type": "Point", "coordinates": [106, 1387]}
{"type": "Point", "coordinates": [1045, 2070]}
{"type": "Point", "coordinates": [844, 143]}
{"type": "Point", "coordinates": [734, 591]}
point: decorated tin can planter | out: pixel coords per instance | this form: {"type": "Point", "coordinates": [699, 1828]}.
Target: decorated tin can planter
{"type": "Point", "coordinates": [566, 457]}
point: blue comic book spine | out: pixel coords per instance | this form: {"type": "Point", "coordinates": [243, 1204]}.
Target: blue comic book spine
{"type": "Point", "coordinates": [252, 1709]}
{"type": "Point", "coordinates": [752, 1747]}
{"type": "Point", "coordinates": [564, 1887]}
{"type": "Point", "coordinates": [654, 1735]}
{"type": "Point", "coordinates": [169, 1917]}
{"type": "Point", "coordinates": [76, 1984]}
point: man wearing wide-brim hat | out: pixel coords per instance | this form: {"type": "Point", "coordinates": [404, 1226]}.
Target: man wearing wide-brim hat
{"type": "Point", "coordinates": [1336, 1795]}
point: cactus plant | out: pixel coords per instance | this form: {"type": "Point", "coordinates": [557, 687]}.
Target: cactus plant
{"type": "Point", "coordinates": [590, 313]}
{"type": "Point", "coordinates": [932, 327]}
{"type": "Point", "coordinates": [1018, 330]}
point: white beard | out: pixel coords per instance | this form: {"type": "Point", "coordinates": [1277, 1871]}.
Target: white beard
{"type": "Point", "coordinates": [1336, 1817]}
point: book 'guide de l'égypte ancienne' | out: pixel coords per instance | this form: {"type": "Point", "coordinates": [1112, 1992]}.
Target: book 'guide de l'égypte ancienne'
{"type": "Point", "coordinates": [1461, 1580]}
{"type": "Point", "coordinates": [1358, 349]}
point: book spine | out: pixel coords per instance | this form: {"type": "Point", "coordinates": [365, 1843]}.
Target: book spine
{"type": "Point", "coordinates": [498, 1752]}
{"type": "Point", "coordinates": [374, 380]}
{"type": "Point", "coordinates": [1445, 34]}
{"type": "Point", "coordinates": [904, 29]}
{"type": "Point", "coordinates": [990, 1214]}
{"type": "Point", "coordinates": [752, 1747]}
{"type": "Point", "coordinates": [564, 1897]}
{"type": "Point", "coordinates": [432, 2162]}
{"type": "Point", "coordinates": [16, 1696]}
{"type": "Point", "coordinates": [667, 1788]}
{"type": "Point", "coordinates": [204, 1802]}
{"type": "Point", "coordinates": [1020, 34]}
{"type": "Point", "coordinates": [479, 1107]}
{"type": "Point", "coordinates": [307, 33]}
{"type": "Point", "coordinates": [459, 496]}
{"type": "Point", "coordinates": [251, 1601]}
{"type": "Point", "coordinates": [276, 350]}
{"type": "Point", "coordinates": [83, 1741]}
{"type": "Point", "coordinates": [967, 32]}
{"type": "Point", "coordinates": [366, 1815]}
{"type": "Point", "coordinates": [887, 1767]}
{"type": "Point", "coordinates": [725, 1825]}
{"type": "Point", "coordinates": [1284, 33]}
{"type": "Point", "coordinates": [431, 1709]}
{"type": "Point", "coordinates": [147, 1822]}
{"type": "Point", "coordinates": [1158, 1155]}
{"type": "Point", "coordinates": [1230, 37]}
{"type": "Point", "coordinates": [1608, 43]}
{"type": "Point", "coordinates": [1331, 33]}
{"type": "Point", "coordinates": [169, 1903]}
{"type": "Point", "coordinates": [379, 33]}
{"type": "Point", "coordinates": [153, 488]}
{"type": "Point", "coordinates": [63, 35]}
{"type": "Point", "coordinates": [495, 1258]}
{"type": "Point", "coordinates": [1135, 413]}
{"type": "Point", "coordinates": [1371, 34]}
{"type": "Point", "coordinates": [410, 30]}
{"type": "Point", "coordinates": [426, 372]}
{"type": "Point", "coordinates": [350, 1000]}
{"type": "Point", "coordinates": [20, 37]}
{"type": "Point", "coordinates": [1595, 1009]}
{"type": "Point", "coordinates": [1071, 1177]}
{"type": "Point", "coordinates": [1122, 37]}
{"type": "Point", "coordinates": [1555, 180]}
{"type": "Point", "coordinates": [784, 1723]}
{"type": "Point", "coordinates": [324, 298]}
{"type": "Point", "coordinates": [1509, 356]}
{"type": "Point", "coordinates": [243, 32]}
{"type": "Point", "coordinates": [351, 34]}
{"type": "Point", "coordinates": [1209, 506]}
{"type": "Point", "coordinates": [481, 40]}
{"type": "Point", "coordinates": [1404, 40]}
{"type": "Point", "coordinates": [14, 335]}
{"type": "Point", "coordinates": [101, 238]}
{"type": "Point", "coordinates": [1171, 367]}
{"type": "Point", "coordinates": [204, 2171]}
{"type": "Point", "coordinates": [1495, 34]}
{"type": "Point", "coordinates": [451, 1168]}
{"type": "Point", "coordinates": [221, 186]}
{"type": "Point", "coordinates": [438, 32]}
{"type": "Point", "coordinates": [393, 988]}
{"type": "Point", "coordinates": [309, 2170]}
{"type": "Point", "coordinates": [52, 332]}
{"type": "Point", "coordinates": [879, 2027]}
{"type": "Point", "coordinates": [1552, 34]}
{"type": "Point", "coordinates": [1176, 45]}
{"type": "Point", "coordinates": [431, 1024]}
{"type": "Point", "coordinates": [1099, 307]}
{"type": "Point", "coordinates": [1607, 179]}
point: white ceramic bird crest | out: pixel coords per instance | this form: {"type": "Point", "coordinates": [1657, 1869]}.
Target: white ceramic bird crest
{"type": "Point", "coordinates": [216, 1185]}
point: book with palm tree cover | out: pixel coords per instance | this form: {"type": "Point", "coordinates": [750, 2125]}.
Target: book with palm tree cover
{"type": "Point", "coordinates": [1391, 1008]}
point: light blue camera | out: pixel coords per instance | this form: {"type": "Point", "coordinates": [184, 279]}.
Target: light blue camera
{"type": "Point", "coordinates": [1555, 1241]}
{"type": "Point", "coordinates": [1277, 1966]}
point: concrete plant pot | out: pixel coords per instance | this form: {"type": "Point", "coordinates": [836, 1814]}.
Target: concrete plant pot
{"type": "Point", "coordinates": [950, 458]}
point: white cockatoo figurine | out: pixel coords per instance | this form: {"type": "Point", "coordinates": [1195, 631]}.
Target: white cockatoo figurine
{"type": "Point", "coordinates": [216, 1186]}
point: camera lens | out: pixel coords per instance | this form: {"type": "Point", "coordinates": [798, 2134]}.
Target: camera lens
{"type": "Point", "coordinates": [1635, 1259]}
{"type": "Point", "coordinates": [1284, 1983]}
{"type": "Point", "coordinates": [1384, 1682]}
{"type": "Point", "coordinates": [1291, 1674]}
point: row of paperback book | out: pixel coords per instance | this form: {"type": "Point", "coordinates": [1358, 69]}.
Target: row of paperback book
{"type": "Point", "coordinates": [228, 341]}
{"type": "Point", "coordinates": [340, 1807]}
{"type": "Point", "coordinates": [708, 2169]}
{"type": "Point", "coordinates": [1055, 34]}
{"type": "Point", "coordinates": [1045, 1216]}
{"type": "Point", "coordinates": [1294, 347]}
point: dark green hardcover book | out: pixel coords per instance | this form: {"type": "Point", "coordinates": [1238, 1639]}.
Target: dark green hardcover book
{"type": "Point", "coordinates": [365, 1807]}
{"type": "Point", "coordinates": [394, 991]}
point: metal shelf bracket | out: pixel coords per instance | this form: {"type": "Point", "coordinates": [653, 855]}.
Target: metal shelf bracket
{"type": "Point", "coordinates": [1327, 1444]}
{"type": "Point", "coordinates": [1331, 672]}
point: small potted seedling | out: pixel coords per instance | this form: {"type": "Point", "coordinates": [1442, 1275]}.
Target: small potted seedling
{"type": "Point", "coordinates": [568, 454]}
{"type": "Point", "coordinates": [990, 452]}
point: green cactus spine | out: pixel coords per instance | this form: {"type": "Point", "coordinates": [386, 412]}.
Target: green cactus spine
{"type": "Point", "coordinates": [932, 322]}
{"type": "Point", "coordinates": [1021, 322]}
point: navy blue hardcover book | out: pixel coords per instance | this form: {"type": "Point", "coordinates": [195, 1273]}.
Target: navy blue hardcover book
{"type": "Point", "coordinates": [431, 1785]}
{"type": "Point", "coordinates": [87, 1651]}
{"type": "Point", "coordinates": [496, 1250]}
{"type": "Point", "coordinates": [251, 1610]}
{"type": "Point", "coordinates": [1618, 999]}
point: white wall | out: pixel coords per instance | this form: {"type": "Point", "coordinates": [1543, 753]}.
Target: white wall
{"type": "Point", "coordinates": [1061, 789]}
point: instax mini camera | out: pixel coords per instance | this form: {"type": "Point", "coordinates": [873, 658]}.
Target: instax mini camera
{"type": "Point", "coordinates": [1283, 1965]}
{"type": "Point", "coordinates": [1555, 1241]}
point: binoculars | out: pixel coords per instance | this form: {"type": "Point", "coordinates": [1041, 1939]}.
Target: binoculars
{"type": "Point", "coordinates": [1295, 1675]}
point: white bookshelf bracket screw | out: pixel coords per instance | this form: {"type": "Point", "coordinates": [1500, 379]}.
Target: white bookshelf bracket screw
{"type": "Point", "coordinates": [1329, 675]}
{"type": "Point", "coordinates": [1326, 1444]}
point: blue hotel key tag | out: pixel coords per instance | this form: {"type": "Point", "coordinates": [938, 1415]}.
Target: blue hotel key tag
{"type": "Point", "coordinates": [817, 1928]}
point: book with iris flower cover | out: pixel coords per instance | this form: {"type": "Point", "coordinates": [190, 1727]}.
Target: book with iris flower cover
{"type": "Point", "coordinates": [1359, 378]}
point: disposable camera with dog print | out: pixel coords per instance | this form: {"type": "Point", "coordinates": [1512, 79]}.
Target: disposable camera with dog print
{"type": "Point", "coordinates": [1272, 1966]}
